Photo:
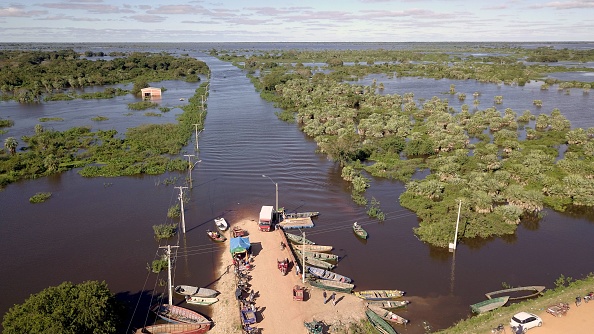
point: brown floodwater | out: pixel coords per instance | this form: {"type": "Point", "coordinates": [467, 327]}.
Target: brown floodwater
{"type": "Point", "coordinates": [101, 228]}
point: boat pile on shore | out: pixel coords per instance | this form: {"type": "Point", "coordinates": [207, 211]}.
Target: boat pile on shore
{"type": "Point", "coordinates": [319, 262]}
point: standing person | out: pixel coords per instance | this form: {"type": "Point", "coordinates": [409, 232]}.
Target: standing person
{"type": "Point", "coordinates": [297, 269]}
{"type": "Point", "coordinates": [333, 298]}
{"type": "Point", "coordinates": [324, 294]}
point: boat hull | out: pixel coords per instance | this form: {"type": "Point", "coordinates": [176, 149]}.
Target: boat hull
{"type": "Point", "coordinates": [188, 290]}
{"type": "Point", "coordinates": [329, 275]}
{"type": "Point", "coordinates": [332, 285]}
{"type": "Point", "coordinates": [388, 315]}
{"type": "Point", "coordinates": [298, 239]}
{"type": "Point", "coordinates": [179, 315]}
{"type": "Point", "coordinates": [380, 324]}
{"type": "Point", "coordinates": [389, 303]}
{"type": "Point", "coordinates": [489, 304]}
{"type": "Point", "coordinates": [537, 290]}
{"type": "Point", "coordinates": [221, 224]}
{"type": "Point", "coordinates": [201, 300]}
{"type": "Point", "coordinates": [174, 329]}
{"type": "Point", "coordinates": [379, 294]}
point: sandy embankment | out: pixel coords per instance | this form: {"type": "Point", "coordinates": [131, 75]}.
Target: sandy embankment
{"type": "Point", "coordinates": [277, 311]}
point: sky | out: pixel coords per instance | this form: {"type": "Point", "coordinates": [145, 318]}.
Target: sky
{"type": "Point", "coordinates": [296, 20]}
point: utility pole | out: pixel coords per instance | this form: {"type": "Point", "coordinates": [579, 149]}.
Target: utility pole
{"type": "Point", "coordinates": [190, 166]}
{"type": "Point", "coordinates": [181, 200]}
{"type": "Point", "coordinates": [169, 281]}
{"type": "Point", "coordinates": [303, 260]}
{"type": "Point", "coordinates": [197, 133]}
{"type": "Point", "coordinates": [453, 245]}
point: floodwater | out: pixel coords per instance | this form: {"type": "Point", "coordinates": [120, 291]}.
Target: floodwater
{"type": "Point", "coordinates": [101, 228]}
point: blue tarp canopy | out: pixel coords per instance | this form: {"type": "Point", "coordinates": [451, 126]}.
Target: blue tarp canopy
{"type": "Point", "coordinates": [239, 245]}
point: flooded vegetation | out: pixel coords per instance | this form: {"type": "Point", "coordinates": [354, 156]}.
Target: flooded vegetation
{"type": "Point", "coordinates": [389, 135]}
{"type": "Point", "coordinates": [513, 171]}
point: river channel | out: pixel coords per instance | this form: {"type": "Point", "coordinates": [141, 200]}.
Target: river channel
{"type": "Point", "coordinates": [101, 228]}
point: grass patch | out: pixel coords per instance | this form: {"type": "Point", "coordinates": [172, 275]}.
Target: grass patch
{"type": "Point", "coordinates": [142, 105]}
{"type": "Point", "coordinates": [40, 197]}
{"type": "Point", "coordinates": [50, 119]}
{"type": "Point", "coordinates": [164, 231]}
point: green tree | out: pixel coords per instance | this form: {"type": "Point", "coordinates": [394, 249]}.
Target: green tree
{"type": "Point", "coordinates": [11, 144]}
{"type": "Point", "coordinates": [84, 308]}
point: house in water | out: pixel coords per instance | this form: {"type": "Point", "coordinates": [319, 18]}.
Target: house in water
{"type": "Point", "coordinates": [151, 93]}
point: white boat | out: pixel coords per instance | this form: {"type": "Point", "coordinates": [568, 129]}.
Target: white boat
{"type": "Point", "coordinates": [188, 290]}
{"type": "Point", "coordinates": [201, 300]}
{"type": "Point", "coordinates": [221, 223]}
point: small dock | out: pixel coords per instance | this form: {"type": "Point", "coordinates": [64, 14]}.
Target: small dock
{"type": "Point", "coordinates": [293, 223]}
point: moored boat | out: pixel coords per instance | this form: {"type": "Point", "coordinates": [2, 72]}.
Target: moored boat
{"type": "Point", "coordinates": [298, 239]}
{"type": "Point", "coordinates": [388, 315]}
{"type": "Point", "coordinates": [313, 248]}
{"type": "Point", "coordinates": [215, 236]}
{"type": "Point", "coordinates": [536, 290]}
{"type": "Point", "coordinates": [188, 290]}
{"type": "Point", "coordinates": [389, 303]}
{"type": "Point", "coordinates": [332, 285]}
{"type": "Point", "coordinates": [174, 329]}
{"type": "Point", "coordinates": [359, 231]}
{"type": "Point", "coordinates": [201, 300]}
{"type": "Point", "coordinates": [489, 304]}
{"type": "Point", "coordinates": [316, 262]}
{"type": "Point", "coordinates": [300, 214]}
{"type": "Point", "coordinates": [221, 223]}
{"type": "Point", "coordinates": [330, 275]}
{"type": "Point", "coordinates": [179, 315]}
{"type": "Point", "coordinates": [378, 294]}
{"type": "Point", "coordinates": [317, 255]}
{"type": "Point", "coordinates": [378, 323]}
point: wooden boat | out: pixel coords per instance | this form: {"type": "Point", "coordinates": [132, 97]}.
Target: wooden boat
{"type": "Point", "coordinates": [313, 248]}
{"type": "Point", "coordinates": [332, 285]}
{"type": "Point", "coordinates": [188, 290]}
{"type": "Point", "coordinates": [221, 224]}
{"type": "Point", "coordinates": [201, 300]}
{"type": "Point", "coordinates": [298, 239]}
{"type": "Point", "coordinates": [312, 261]}
{"type": "Point", "coordinates": [489, 304]}
{"type": "Point", "coordinates": [389, 303]}
{"type": "Point", "coordinates": [379, 294]}
{"type": "Point", "coordinates": [179, 315]}
{"type": "Point", "coordinates": [359, 231]}
{"type": "Point", "coordinates": [174, 329]}
{"type": "Point", "coordinates": [388, 315]}
{"type": "Point", "coordinates": [378, 323]}
{"type": "Point", "coordinates": [317, 255]}
{"type": "Point", "coordinates": [301, 214]}
{"type": "Point", "coordinates": [216, 236]}
{"type": "Point", "coordinates": [326, 274]}
{"type": "Point", "coordinates": [537, 289]}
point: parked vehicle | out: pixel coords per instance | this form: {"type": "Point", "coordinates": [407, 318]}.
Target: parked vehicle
{"type": "Point", "coordinates": [526, 320]}
{"type": "Point", "coordinates": [265, 221]}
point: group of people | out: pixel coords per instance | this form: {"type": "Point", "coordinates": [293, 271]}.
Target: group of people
{"type": "Point", "coordinates": [332, 298]}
